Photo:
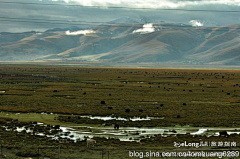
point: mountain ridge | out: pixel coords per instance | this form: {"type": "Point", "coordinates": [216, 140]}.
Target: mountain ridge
{"type": "Point", "coordinates": [157, 43]}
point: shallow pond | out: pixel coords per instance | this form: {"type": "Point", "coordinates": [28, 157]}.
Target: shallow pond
{"type": "Point", "coordinates": [120, 118]}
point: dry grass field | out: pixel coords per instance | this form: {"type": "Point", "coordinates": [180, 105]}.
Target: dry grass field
{"type": "Point", "coordinates": [176, 97]}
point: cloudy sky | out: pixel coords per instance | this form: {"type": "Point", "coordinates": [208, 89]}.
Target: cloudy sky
{"type": "Point", "coordinates": [23, 16]}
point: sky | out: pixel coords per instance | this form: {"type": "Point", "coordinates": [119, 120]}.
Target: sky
{"type": "Point", "coordinates": [80, 11]}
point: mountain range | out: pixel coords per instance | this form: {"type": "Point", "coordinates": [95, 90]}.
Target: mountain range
{"type": "Point", "coordinates": [127, 40]}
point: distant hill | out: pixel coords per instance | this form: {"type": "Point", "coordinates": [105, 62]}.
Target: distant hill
{"type": "Point", "coordinates": [127, 40]}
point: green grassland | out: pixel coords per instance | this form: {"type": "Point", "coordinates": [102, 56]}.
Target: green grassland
{"type": "Point", "coordinates": [80, 91]}
{"type": "Point", "coordinates": [201, 98]}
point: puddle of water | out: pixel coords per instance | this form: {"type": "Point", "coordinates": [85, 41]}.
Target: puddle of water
{"type": "Point", "coordinates": [199, 132]}
{"type": "Point", "coordinates": [43, 113]}
{"type": "Point", "coordinates": [120, 118]}
{"type": "Point", "coordinates": [230, 133]}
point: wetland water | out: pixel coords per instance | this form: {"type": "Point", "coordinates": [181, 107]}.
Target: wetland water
{"type": "Point", "coordinates": [129, 133]}
{"type": "Point", "coordinates": [136, 134]}
{"type": "Point", "coordinates": [80, 132]}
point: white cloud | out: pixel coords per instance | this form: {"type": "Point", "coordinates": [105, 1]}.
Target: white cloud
{"type": "Point", "coordinates": [67, 1]}
{"type": "Point", "coordinates": [147, 28]}
{"type": "Point", "coordinates": [152, 3]}
{"type": "Point", "coordinates": [196, 23]}
{"type": "Point", "coordinates": [80, 32]}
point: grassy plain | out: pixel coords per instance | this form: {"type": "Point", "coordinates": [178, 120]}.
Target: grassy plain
{"type": "Point", "coordinates": [201, 98]}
